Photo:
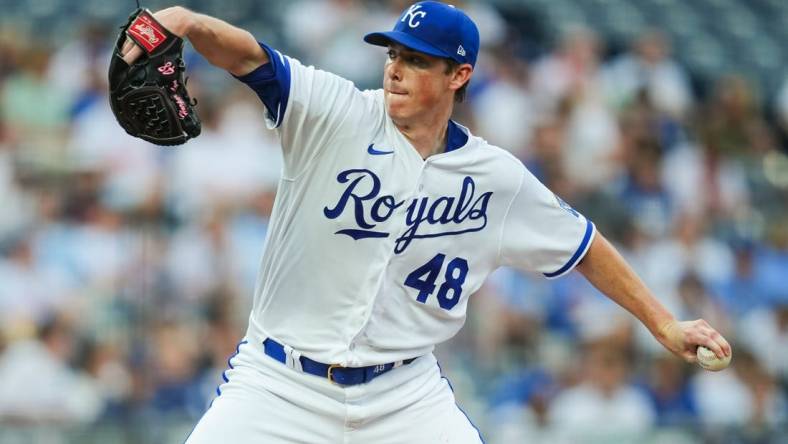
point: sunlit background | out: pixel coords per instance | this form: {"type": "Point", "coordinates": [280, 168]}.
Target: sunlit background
{"type": "Point", "coordinates": [127, 270]}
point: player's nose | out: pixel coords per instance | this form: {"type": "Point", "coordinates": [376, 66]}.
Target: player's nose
{"type": "Point", "coordinates": [393, 70]}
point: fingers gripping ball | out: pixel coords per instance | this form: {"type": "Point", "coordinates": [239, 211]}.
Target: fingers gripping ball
{"type": "Point", "coordinates": [149, 97]}
{"type": "Point", "coordinates": [709, 360]}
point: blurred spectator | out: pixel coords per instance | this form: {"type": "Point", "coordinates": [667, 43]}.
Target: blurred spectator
{"type": "Point", "coordinates": [648, 203]}
{"type": "Point", "coordinates": [746, 397]}
{"type": "Point", "coordinates": [604, 407]}
{"type": "Point", "coordinates": [733, 127]}
{"type": "Point", "coordinates": [199, 260]}
{"type": "Point", "coordinates": [492, 25]}
{"type": "Point", "coordinates": [131, 166]}
{"type": "Point", "coordinates": [174, 384]}
{"type": "Point", "coordinates": [79, 64]}
{"type": "Point", "coordinates": [702, 182]}
{"type": "Point", "coordinates": [545, 156]}
{"type": "Point", "coordinates": [570, 72]}
{"type": "Point", "coordinates": [220, 341]}
{"type": "Point", "coordinates": [90, 245]}
{"type": "Point", "coordinates": [521, 407]}
{"type": "Point", "coordinates": [327, 34]}
{"type": "Point", "coordinates": [223, 168]}
{"type": "Point", "coordinates": [10, 49]}
{"type": "Point", "coordinates": [712, 178]}
{"type": "Point", "coordinates": [503, 109]}
{"type": "Point", "coordinates": [516, 310]}
{"type": "Point", "coordinates": [30, 292]}
{"type": "Point", "coordinates": [247, 234]}
{"type": "Point", "coordinates": [648, 68]}
{"type": "Point", "coordinates": [106, 363]}
{"type": "Point", "coordinates": [669, 390]}
{"type": "Point", "coordinates": [253, 150]}
{"type": "Point", "coordinates": [36, 111]}
{"type": "Point", "coordinates": [37, 385]}
{"type": "Point", "coordinates": [18, 203]}
{"type": "Point", "coordinates": [747, 288]}
{"type": "Point", "coordinates": [591, 317]}
{"type": "Point", "coordinates": [764, 330]}
{"type": "Point", "coordinates": [690, 250]}
{"type": "Point", "coordinates": [697, 303]}
{"type": "Point", "coordinates": [567, 84]}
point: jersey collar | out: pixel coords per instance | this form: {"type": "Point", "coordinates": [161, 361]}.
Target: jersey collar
{"type": "Point", "coordinates": [455, 137]}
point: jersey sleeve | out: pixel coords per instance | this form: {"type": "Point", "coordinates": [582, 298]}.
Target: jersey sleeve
{"type": "Point", "coordinates": [308, 107]}
{"type": "Point", "coordinates": [271, 82]}
{"type": "Point", "coordinates": [541, 233]}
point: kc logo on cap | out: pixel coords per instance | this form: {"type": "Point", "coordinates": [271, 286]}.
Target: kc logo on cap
{"type": "Point", "coordinates": [433, 28]}
{"type": "Point", "coordinates": [412, 14]}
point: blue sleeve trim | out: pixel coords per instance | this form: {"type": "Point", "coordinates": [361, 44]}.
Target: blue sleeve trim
{"type": "Point", "coordinates": [271, 82]}
{"type": "Point", "coordinates": [581, 251]}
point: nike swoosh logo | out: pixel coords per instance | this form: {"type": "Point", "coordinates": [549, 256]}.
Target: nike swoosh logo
{"type": "Point", "coordinates": [374, 152]}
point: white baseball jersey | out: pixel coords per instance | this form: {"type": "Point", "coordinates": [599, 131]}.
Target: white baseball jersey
{"type": "Point", "coordinates": [374, 252]}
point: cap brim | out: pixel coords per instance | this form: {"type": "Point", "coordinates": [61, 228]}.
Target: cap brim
{"type": "Point", "coordinates": [407, 40]}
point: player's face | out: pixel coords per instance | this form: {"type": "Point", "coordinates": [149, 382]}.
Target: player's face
{"type": "Point", "coordinates": [415, 83]}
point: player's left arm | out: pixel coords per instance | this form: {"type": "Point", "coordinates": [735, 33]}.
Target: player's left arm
{"type": "Point", "coordinates": [222, 44]}
{"type": "Point", "coordinates": [604, 267]}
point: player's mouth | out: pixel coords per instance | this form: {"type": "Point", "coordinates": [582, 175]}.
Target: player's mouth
{"type": "Point", "coordinates": [397, 92]}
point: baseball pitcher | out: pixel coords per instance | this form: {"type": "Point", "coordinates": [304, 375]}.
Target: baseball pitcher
{"type": "Point", "coordinates": [389, 216]}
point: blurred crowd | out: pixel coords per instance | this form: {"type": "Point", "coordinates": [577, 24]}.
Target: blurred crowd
{"type": "Point", "coordinates": [127, 270]}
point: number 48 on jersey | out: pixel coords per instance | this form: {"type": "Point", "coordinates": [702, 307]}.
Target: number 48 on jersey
{"type": "Point", "coordinates": [424, 277]}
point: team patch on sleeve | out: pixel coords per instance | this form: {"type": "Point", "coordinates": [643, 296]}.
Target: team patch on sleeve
{"type": "Point", "coordinates": [542, 233]}
{"type": "Point", "coordinates": [566, 206]}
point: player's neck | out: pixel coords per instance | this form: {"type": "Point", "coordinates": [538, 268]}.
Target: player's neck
{"type": "Point", "coordinates": [428, 136]}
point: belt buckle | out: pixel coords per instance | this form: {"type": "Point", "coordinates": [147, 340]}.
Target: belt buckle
{"type": "Point", "coordinates": [330, 374]}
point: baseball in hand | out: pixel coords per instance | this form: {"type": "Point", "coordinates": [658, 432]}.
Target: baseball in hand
{"type": "Point", "coordinates": [708, 360]}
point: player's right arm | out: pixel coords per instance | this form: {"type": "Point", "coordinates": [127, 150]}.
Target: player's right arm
{"type": "Point", "coordinates": [222, 44]}
{"type": "Point", "coordinates": [607, 270]}
{"type": "Point", "coordinates": [542, 233]}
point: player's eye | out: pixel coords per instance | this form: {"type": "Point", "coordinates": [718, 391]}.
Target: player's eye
{"type": "Point", "coordinates": [418, 61]}
{"type": "Point", "coordinates": [391, 54]}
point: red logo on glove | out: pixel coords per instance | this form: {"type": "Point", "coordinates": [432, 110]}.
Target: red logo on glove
{"type": "Point", "coordinates": [147, 32]}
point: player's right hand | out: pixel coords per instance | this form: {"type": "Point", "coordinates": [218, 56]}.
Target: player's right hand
{"type": "Point", "coordinates": [176, 19]}
{"type": "Point", "coordinates": [684, 338]}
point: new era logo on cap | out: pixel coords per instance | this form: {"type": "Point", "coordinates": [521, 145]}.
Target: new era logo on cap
{"type": "Point", "coordinates": [436, 29]}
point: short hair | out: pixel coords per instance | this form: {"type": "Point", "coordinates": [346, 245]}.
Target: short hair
{"type": "Point", "coordinates": [459, 95]}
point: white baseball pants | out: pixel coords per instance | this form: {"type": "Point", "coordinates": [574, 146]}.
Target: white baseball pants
{"type": "Point", "coordinates": [266, 402]}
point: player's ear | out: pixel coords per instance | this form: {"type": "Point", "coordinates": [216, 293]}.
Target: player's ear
{"type": "Point", "coordinates": [460, 76]}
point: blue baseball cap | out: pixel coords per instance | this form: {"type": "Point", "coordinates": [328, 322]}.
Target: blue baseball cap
{"type": "Point", "coordinates": [436, 29]}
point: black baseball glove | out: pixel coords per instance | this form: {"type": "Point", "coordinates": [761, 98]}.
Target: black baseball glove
{"type": "Point", "coordinates": [149, 97]}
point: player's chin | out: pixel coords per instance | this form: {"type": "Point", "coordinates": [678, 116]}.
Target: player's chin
{"type": "Point", "coordinates": [397, 105]}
